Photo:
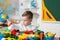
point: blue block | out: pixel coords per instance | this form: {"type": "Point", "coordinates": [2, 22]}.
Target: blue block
{"type": "Point", "coordinates": [21, 33]}
{"type": "Point", "coordinates": [49, 38]}
{"type": "Point", "coordinates": [1, 36]}
{"type": "Point", "coordinates": [30, 38]}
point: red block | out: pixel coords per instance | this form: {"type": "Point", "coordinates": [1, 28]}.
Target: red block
{"type": "Point", "coordinates": [41, 36]}
{"type": "Point", "coordinates": [13, 32]}
{"type": "Point", "coordinates": [28, 32]}
{"type": "Point", "coordinates": [25, 39]}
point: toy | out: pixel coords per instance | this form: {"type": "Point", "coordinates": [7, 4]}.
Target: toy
{"type": "Point", "coordinates": [17, 35]}
{"type": "Point", "coordinates": [3, 39]}
{"type": "Point", "coordinates": [29, 32]}
{"type": "Point", "coordinates": [1, 36]}
{"type": "Point", "coordinates": [21, 37]}
{"type": "Point", "coordinates": [30, 39]}
{"type": "Point", "coordinates": [9, 39]}
{"type": "Point", "coordinates": [7, 30]}
{"type": "Point", "coordinates": [36, 35]}
{"type": "Point", "coordinates": [36, 38]}
{"type": "Point", "coordinates": [49, 38]}
{"type": "Point", "coordinates": [41, 36]}
{"type": "Point", "coordinates": [25, 39]}
{"type": "Point", "coordinates": [39, 31]}
{"type": "Point", "coordinates": [13, 32]}
{"type": "Point", "coordinates": [50, 34]}
{"type": "Point", "coordinates": [21, 33]}
{"type": "Point", "coordinates": [3, 18]}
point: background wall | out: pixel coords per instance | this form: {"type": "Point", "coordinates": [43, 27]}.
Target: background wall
{"type": "Point", "coordinates": [53, 27]}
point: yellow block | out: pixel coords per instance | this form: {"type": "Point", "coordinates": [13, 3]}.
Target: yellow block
{"type": "Point", "coordinates": [50, 34]}
{"type": "Point", "coordinates": [9, 39]}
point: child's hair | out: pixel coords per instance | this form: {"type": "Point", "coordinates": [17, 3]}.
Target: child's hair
{"type": "Point", "coordinates": [29, 14]}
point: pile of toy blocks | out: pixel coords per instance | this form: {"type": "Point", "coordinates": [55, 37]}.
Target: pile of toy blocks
{"type": "Point", "coordinates": [25, 35]}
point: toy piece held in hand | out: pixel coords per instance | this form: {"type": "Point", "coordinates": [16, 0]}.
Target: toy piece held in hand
{"type": "Point", "coordinates": [3, 18]}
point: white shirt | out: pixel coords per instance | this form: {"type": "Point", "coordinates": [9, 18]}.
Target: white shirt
{"type": "Point", "coordinates": [22, 27]}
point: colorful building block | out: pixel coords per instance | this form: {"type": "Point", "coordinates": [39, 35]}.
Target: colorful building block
{"type": "Point", "coordinates": [9, 39]}
{"type": "Point", "coordinates": [41, 36]}
{"type": "Point", "coordinates": [49, 38]}
{"type": "Point", "coordinates": [1, 36]}
{"type": "Point", "coordinates": [13, 32]}
{"type": "Point", "coordinates": [29, 32]}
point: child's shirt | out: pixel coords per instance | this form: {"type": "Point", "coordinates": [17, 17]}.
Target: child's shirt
{"type": "Point", "coordinates": [21, 27]}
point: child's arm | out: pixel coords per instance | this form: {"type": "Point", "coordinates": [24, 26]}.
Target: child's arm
{"type": "Point", "coordinates": [13, 26]}
{"type": "Point", "coordinates": [10, 27]}
{"type": "Point", "coordinates": [1, 23]}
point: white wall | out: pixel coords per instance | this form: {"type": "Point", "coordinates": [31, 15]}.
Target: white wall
{"type": "Point", "coordinates": [48, 26]}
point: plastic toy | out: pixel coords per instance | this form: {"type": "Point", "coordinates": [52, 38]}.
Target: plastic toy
{"type": "Point", "coordinates": [17, 35]}
{"type": "Point", "coordinates": [30, 39]}
{"type": "Point", "coordinates": [49, 38]}
{"type": "Point", "coordinates": [21, 33]}
{"type": "Point", "coordinates": [21, 37]}
{"type": "Point", "coordinates": [29, 32]}
{"type": "Point", "coordinates": [36, 38]}
{"type": "Point", "coordinates": [25, 39]}
{"type": "Point", "coordinates": [41, 36]}
{"type": "Point", "coordinates": [7, 30]}
{"type": "Point", "coordinates": [39, 31]}
{"type": "Point", "coordinates": [1, 36]}
{"type": "Point", "coordinates": [36, 35]}
{"type": "Point", "coordinates": [13, 32]}
{"type": "Point", "coordinates": [9, 39]}
{"type": "Point", "coordinates": [3, 18]}
{"type": "Point", "coordinates": [50, 34]}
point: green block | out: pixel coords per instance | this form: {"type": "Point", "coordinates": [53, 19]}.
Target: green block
{"type": "Point", "coordinates": [39, 31]}
{"type": "Point", "coordinates": [12, 36]}
{"type": "Point", "coordinates": [7, 35]}
{"type": "Point", "coordinates": [16, 37]}
{"type": "Point", "coordinates": [36, 38]}
{"type": "Point", "coordinates": [44, 38]}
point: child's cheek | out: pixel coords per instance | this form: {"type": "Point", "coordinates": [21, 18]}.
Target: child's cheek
{"type": "Point", "coordinates": [25, 23]}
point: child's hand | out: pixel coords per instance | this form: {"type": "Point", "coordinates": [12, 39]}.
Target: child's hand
{"type": "Point", "coordinates": [9, 23]}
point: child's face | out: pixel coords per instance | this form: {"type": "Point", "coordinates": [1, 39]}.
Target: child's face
{"type": "Point", "coordinates": [26, 20]}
